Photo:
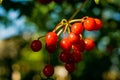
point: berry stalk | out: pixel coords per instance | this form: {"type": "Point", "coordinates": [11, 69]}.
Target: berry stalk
{"type": "Point", "coordinates": [79, 9]}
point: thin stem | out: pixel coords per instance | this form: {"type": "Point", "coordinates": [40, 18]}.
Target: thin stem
{"type": "Point", "coordinates": [66, 26]}
{"type": "Point", "coordinates": [75, 20]}
{"type": "Point", "coordinates": [60, 31]}
{"type": "Point", "coordinates": [81, 37]}
{"type": "Point", "coordinates": [62, 23]}
{"type": "Point", "coordinates": [78, 9]}
{"type": "Point", "coordinates": [57, 27]}
{"type": "Point", "coordinates": [69, 30]}
{"type": "Point", "coordinates": [40, 37]}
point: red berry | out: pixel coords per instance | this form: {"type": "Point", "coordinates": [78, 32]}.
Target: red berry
{"type": "Point", "coordinates": [64, 56]}
{"type": "Point", "coordinates": [98, 24]}
{"type": "Point", "coordinates": [65, 44]}
{"type": "Point", "coordinates": [77, 56]}
{"type": "Point", "coordinates": [48, 70]}
{"type": "Point", "coordinates": [51, 38]}
{"type": "Point", "coordinates": [77, 28]}
{"type": "Point", "coordinates": [70, 58]}
{"type": "Point", "coordinates": [80, 46]}
{"type": "Point", "coordinates": [36, 45]}
{"type": "Point", "coordinates": [89, 44]}
{"type": "Point", "coordinates": [70, 67]}
{"type": "Point", "coordinates": [89, 24]}
{"type": "Point", "coordinates": [73, 38]}
{"type": "Point", "coordinates": [50, 48]}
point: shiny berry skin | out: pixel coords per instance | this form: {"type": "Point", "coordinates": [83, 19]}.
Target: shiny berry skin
{"type": "Point", "coordinates": [98, 24]}
{"type": "Point", "coordinates": [89, 24]}
{"type": "Point", "coordinates": [51, 38]}
{"type": "Point", "coordinates": [73, 38]}
{"type": "Point", "coordinates": [77, 55]}
{"type": "Point", "coordinates": [65, 44]}
{"type": "Point", "coordinates": [77, 28]}
{"type": "Point", "coordinates": [50, 48]}
{"type": "Point", "coordinates": [80, 46]}
{"type": "Point", "coordinates": [89, 44]}
{"type": "Point", "coordinates": [36, 45]}
{"type": "Point", "coordinates": [70, 67]}
{"type": "Point", "coordinates": [48, 70]}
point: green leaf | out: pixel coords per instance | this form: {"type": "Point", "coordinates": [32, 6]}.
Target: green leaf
{"type": "Point", "coordinates": [97, 1]}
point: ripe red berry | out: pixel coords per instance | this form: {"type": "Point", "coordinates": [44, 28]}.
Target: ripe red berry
{"type": "Point", "coordinates": [73, 38]}
{"type": "Point", "coordinates": [89, 24]}
{"type": "Point", "coordinates": [89, 44]}
{"type": "Point", "coordinates": [64, 56]}
{"type": "Point", "coordinates": [77, 56]}
{"type": "Point", "coordinates": [50, 48]}
{"type": "Point", "coordinates": [36, 45]}
{"type": "Point", "coordinates": [70, 67]}
{"type": "Point", "coordinates": [98, 24]}
{"type": "Point", "coordinates": [70, 58]}
{"type": "Point", "coordinates": [48, 70]}
{"type": "Point", "coordinates": [51, 38]}
{"type": "Point", "coordinates": [65, 44]}
{"type": "Point", "coordinates": [80, 46]}
{"type": "Point", "coordinates": [77, 28]}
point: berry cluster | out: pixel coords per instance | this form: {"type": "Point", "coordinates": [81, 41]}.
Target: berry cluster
{"type": "Point", "coordinates": [72, 44]}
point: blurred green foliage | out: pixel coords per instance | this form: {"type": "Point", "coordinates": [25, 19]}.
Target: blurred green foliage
{"type": "Point", "coordinates": [102, 63]}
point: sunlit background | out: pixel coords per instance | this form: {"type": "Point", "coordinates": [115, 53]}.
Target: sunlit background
{"type": "Point", "coordinates": [22, 21]}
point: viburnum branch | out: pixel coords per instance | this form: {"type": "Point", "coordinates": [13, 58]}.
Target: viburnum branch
{"type": "Point", "coordinates": [65, 28]}
{"type": "Point", "coordinates": [40, 37]}
{"type": "Point", "coordinates": [57, 27]}
{"type": "Point", "coordinates": [62, 23]}
{"type": "Point", "coordinates": [75, 20]}
{"type": "Point", "coordinates": [69, 30]}
{"type": "Point", "coordinates": [78, 10]}
{"type": "Point", "coordinates": [72, 45]}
